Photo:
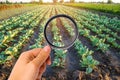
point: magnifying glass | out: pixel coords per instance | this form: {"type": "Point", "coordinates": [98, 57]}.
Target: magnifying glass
{"type": "Point", "coordinates": [61, 31]}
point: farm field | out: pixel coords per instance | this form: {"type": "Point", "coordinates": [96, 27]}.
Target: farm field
{"type": "Point", "coordinates": [94, 56]}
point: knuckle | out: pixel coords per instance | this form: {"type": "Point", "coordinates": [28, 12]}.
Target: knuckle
{"type": "Point", "coordinates": [23, 54]}
{"type": "Point", "coordinates": [34, 65]}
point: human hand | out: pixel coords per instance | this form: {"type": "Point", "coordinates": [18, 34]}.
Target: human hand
{"type": "Point", "coordinates": [31, 64]}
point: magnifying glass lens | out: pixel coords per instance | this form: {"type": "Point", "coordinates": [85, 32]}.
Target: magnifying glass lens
{"type": "Point", "coordinates": [61, 32]}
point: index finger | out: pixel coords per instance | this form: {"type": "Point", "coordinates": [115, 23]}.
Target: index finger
{"type": "Point", "coordinates": [33, 52]}
{"type": "Point", "coordinates": [42, 57]}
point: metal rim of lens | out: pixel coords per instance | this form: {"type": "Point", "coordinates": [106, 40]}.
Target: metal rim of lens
{"type": "Point", "coordinates": [76, 31]}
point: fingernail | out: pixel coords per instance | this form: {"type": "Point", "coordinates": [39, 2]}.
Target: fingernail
{"type": "Point", "coordinates": [47, 48]}
{"type": "Point", "coordinates": [50, 63]}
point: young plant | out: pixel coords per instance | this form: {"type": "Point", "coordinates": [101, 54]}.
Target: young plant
{"type": "Point", "coordinates": [87, 60]}
{"type": "Point", "coordinates": [59, 60]}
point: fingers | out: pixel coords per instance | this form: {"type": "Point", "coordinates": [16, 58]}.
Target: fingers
{"type": "Point", "coordinates": [28, 56]}
{"type": "Point", "coordinates": [41, 71]}
{"type": "Point", "coordinates": [33, 52]}
{"type": "Point", "coordinates": [43, 68]}
{"type": "Point", "coordinates": [48, 61]}
{"type": "Point", "coordinates": [42, 56]}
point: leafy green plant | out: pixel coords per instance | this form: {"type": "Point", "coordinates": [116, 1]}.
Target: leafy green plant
{"type": "Point", "coordinates": [59, 59]}
{"type": "Point", "coordinates": [3, 58]}
{"type": "Point", "coordinates": [99, 43]}
{"type": "Point", "coordinates": [84, 32]}
{"type": "Point", "coordinates": [87, 60]}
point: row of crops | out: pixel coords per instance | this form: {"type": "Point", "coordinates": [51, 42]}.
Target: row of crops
{"type": "Point", "coordinates": [101, 31]}
{"type": "Point", "coordinates": [16, 31]}
{"type": "Point", "coordinates": [105, 30]}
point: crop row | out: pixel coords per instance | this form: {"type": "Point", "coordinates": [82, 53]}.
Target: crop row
{"type": "Point", "coordinates": [39, 42]}
{"type": "Point", "coordinates": [12, 51]}
{"type": "Point", "coordinates": [99, 34]}
{"type": "Point", "coordinates": [60, 55]}
{"type": "Point", "coordinates": [88, 35]}
{"type": "Point", "coordinates": [86, 59]}
{"type": "Point", "coordinates": [9, 37]}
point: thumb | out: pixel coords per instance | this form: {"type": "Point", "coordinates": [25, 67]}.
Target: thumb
{"type": "Point", "coordinates": [42, 56]}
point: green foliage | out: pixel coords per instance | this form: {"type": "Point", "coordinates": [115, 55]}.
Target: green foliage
{"type": "Point", "coordinates": [59, 59]}
{"type": "Point", "coordinates": [100, 43]}
{"type": "Point", "coordinates": [11, 28]}
{"type": "Point", "coordinates": [89, 70]}
{"type": "Point", "coordinates": [3, 58]}
{"type": "Point", "coordinates": [110, 8]}
{"type": "Point", "coordinates": [102, 27]}
{"type": "Point", "coordinates": [39, 41]}
{"type": "Point", "coordinates": [87, 60]}
{"type": "Point", "coordinates": [84, 32]}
